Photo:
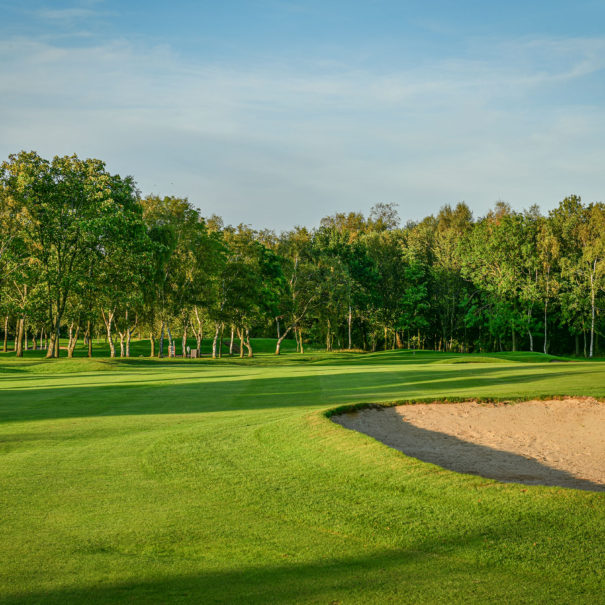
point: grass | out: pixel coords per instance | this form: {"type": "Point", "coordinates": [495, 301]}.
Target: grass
{"type": "Point", "coordinates": [223, 481]}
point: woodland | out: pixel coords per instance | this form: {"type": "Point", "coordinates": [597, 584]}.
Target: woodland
{"type": "Point", "coordinates": [84, 255]}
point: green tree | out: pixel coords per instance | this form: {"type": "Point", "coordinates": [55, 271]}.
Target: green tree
{"type": "Point", "coordinates": [68, 207]}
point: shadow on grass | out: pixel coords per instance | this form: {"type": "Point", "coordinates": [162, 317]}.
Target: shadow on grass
{"type": "Point", "coordinates": [392, 576]}
{"type": "Point", "coordinates": [199, 392]}
{"type": "Point", "coordinates": [264, 350]}
{"type": "Point", "coordinates": [460, 456]}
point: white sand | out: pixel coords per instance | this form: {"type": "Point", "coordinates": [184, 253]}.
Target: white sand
{"type": "Point", "coordinates": [559, 442]}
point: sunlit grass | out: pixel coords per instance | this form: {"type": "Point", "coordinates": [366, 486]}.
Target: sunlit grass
{"type": "Point", "coordinates": [223, 481]}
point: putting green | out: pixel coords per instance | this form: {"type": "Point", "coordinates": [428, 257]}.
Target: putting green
{"type": "Point", "coordinates": [224, 482]}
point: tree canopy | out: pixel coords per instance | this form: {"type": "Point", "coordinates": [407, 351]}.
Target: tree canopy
{"type": "Point", "coordinates": [82, 253]}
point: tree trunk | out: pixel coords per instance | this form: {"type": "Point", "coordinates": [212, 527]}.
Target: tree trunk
{"type": "Point", "coordinates": [546, 327]}
{"type": "Point", "coordinates": [122, 347]}
{"type": "Point", "coordinates": [25, 330]}
{"type": "Point", "coordinates": [216, 333]}
{"type": "Point", "coordinates": [19, 337]}
{"type": "Point", "coordinates": [5, 347]}
{"type": "Point", "coordinates": [240, 334]}
{"type": "Point", "coordinates": [220, 342]}
{"type": "Point", "coordinates": [300, 336]}
{"type": "Point", "coordinates": [399, 340]}
{"type": "Point", "coordinates": [198, 333]}
{"type": "Point", "coordinates": [112, 347]}
{"type": "Point", "coordinates": [55, 331]}
{"type": "Point", "coordinates": [592, 310]}
{"type": "Point", "coordinates": [350, 321]}
{"type": "Point", "coordinates": [386, 339]}
{"type": "Point", "coordinates": [514, 338]}
{"type": "Point", "coordinates": [129, 334]}
{"type": "Point", "coordinates": [73, 340]}
{"type": "Point", "coordinates": [161, 347]}
{"type": "Point", "coordinates": [247, 343]}
{"type": "Point", "coordinates": [70, 337]}
{"type": "Point", "coordinates": [184, 340]}
{"type": "Point", "coordinates": [152, 344]}
{"type": "Point", "coordinates": [170, 340]}
{"type": "Point", "coordinates": [53, 342]}
{"type": "Point", "coordinates": [281, 339]}
{"type": "Point", "coordinates": [277, 324]}
{"type": "Point", "coordinates": [89, 338]}
{"type": "Point", "coordinates": [231, 341]}
{"type": "Point", "coordinates": [108, 319]}
{"type": "Point", "coordinates": [49, 345]}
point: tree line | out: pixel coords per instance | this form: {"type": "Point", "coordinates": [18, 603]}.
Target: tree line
{"type": "Point", "coordinates": [83, 254]}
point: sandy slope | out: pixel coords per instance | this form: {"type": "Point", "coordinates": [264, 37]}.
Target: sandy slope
{"type": "Point", "coordinates": [559, 442]}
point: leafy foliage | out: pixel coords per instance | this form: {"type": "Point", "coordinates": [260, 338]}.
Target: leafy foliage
{"type": "Point", "coordinates": [81, 253]}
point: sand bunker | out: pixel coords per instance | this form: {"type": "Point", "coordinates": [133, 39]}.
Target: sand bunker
{"type": "Point", "coordinates": [560, 442]}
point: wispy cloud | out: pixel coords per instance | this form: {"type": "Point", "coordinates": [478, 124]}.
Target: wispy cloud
{"type": "Point", "coordinates": [66, 14]}
{"type": "Point", "coordinates": [284, 144]}
{"type": "Point", "coordinates": [68, 20]}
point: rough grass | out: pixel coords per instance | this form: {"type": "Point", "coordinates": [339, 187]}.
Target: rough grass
{"type": "Point", "coordinates": [223, 482]}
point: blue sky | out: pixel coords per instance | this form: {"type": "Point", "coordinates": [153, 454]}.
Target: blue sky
{"type": "Point", "coordinates": [278, 112]}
